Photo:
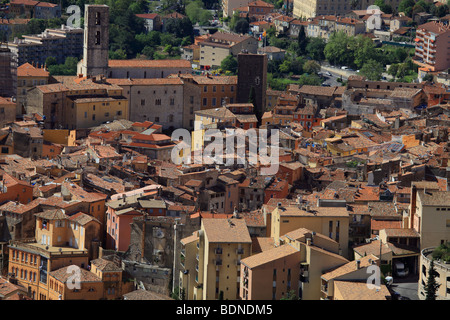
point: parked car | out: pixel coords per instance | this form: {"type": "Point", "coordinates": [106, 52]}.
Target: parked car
{"type": "Point", "coordinates": [400, 270]}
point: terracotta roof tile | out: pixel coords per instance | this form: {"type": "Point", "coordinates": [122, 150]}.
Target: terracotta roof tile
{"type": "Point", "coordinates": [349, 267]}
{"type": "Point", "coordinates": [64, 275]}
{"type": "Point", "coordinates": [351, 290]}
{"type": "Point", "coordinates": [226, 230]}
{"type": "Point", "coordinates": [138, 63]}
{"type": "Point", "coordinates": [269, 255]}
{"type": "Point", "coordinates": [27, 70]}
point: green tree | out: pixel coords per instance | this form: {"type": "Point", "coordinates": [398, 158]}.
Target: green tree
{"type": "Point", "coordinates": [69, 68]}
{"type": "Point", "coordinates": [372, 70]}
{"type": "Point", "coordinates": [148, 51]}
{"type": "Point", "coordinates": [271, 32]}
{"type": "Point", "coordinates": [311, 80]}
{"type": "Point", "coordinates": [315, 49]}
{"type": "Point", "coordinates": [119, 54]}
{"type": "Point", "coordinates": [180, 27]}
{"type": "Point", "coordinates": [393, 70]}
{"type": "Point", "coordinates": [402, 70]}
{"type": "Point", "coordinates": [386, 8]}
{"type": "Point", "coordinates": [234, 19]}
{"type": "Point", "coordinates": [290, 296]}
{"type": "Point", "coordinates": [311, 67]}
{"type": "Point", "coordinates": [176, 293]}
{"type": "Point", "coordinates": [204, 17]}
{"type": "Point", "coordinates": [229, 64]}
{"type": "Point", "coordinates": [428, 77]}
{"type": "Point", "coordinates": [50, 61]}
{"type": "Point", "coordinates": [241, 26]}
{"type": "Point", "coordinates": [406, 7]}
{"type": "Point", "coordinates": [302, 41]}
{"type": "Point", "coordinates": [431, 286]}
{"type": "Point", "coordinates": [337, 50]}
{"type": "Point", "coordinates": [363, 50]}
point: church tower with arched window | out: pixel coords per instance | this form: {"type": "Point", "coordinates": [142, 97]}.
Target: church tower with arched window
{"type": "Point", "coordinates": [96, 41]}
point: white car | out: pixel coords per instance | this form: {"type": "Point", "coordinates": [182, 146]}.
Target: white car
{"type": "Point", "coordinates": [400, 269]}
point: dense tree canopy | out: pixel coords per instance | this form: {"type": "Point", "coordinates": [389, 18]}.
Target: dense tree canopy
{"type": "Point", "coordinates": [229, 64]}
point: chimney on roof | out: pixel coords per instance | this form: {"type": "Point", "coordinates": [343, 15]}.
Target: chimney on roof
{"type": "Point", "coordinates": [308, 241]}
{"type": "Point", "coordinates": [358, 264]}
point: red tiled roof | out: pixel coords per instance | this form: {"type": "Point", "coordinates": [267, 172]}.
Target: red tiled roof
{"type": "Point", "coordinates": [259, 3]}
{"type": "Point", "coordinates": [27, 70]}
{"type": "Point", "coordinates": [150, 137]}
{"type": "Point", "coordinates": [147, 15]}
{"type": "Point", "coordinates": [138, 63]}
{"type": "Point", "coordinates": [145, 124]}
{"type": "Point", "coordinates": [385, 224]}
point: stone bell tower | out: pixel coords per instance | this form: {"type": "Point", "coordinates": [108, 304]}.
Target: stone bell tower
{"type": "Point", "coordinates": [96, 41]}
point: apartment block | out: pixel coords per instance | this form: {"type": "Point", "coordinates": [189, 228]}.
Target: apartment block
{"type": "Point", "coordinates": [221, 44]}
{"type": "Point", "coordinates": [432, 39]}
{"type": "Point", "coordinates": [313, 8]}
{"type": "Point", "coordinates": [295, 265]}
{"type": "Point", "coordinates": [8, 73]}
{"type": "Point", "coordinates": [59, 242]}
{"type": "Point", "coordinates": [28, 77]}
{"type": "Point", "coordinates": [34, 9]}
{"type": "Point", "coordinates": [330, 221]}
{"type": "Point", "coordinates": [431, 218]}
{"type": "Point", "coordinates": [212, 270]}
{"type": "Point", "coordinates": [354, 281]}
{"type": "Point", "coordinates": [58, 43]}
{"type": "Point", "coordinates": [146, 69]}
{"type": "Point", "coordinates": [77, 103]}
{"type": "Point", "coordinates": [228, 6]}
{"type": "Point", "coordinates": [158, 100]}
{"type": "Point", "coordinates": [324, 26]}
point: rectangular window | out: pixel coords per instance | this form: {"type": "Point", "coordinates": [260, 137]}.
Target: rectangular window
{"type": "Point", "coordinates": [97, 38]}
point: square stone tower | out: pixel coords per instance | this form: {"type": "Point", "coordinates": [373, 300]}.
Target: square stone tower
{"type": "Point", "coordinates": [96, 41]}
{"type": "Point", "coordinates": [252, 75]}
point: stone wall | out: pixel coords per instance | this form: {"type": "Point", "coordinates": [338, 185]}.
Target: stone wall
{"type": "Point", "coordinates": [155, 244]}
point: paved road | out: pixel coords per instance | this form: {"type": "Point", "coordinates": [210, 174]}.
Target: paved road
{"type": "Point", "coordinates": [331, 80]}
{"type": "Point", "coordinates": [346, 73]}
{"type": "Point", "coordinates": [407, 287]}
